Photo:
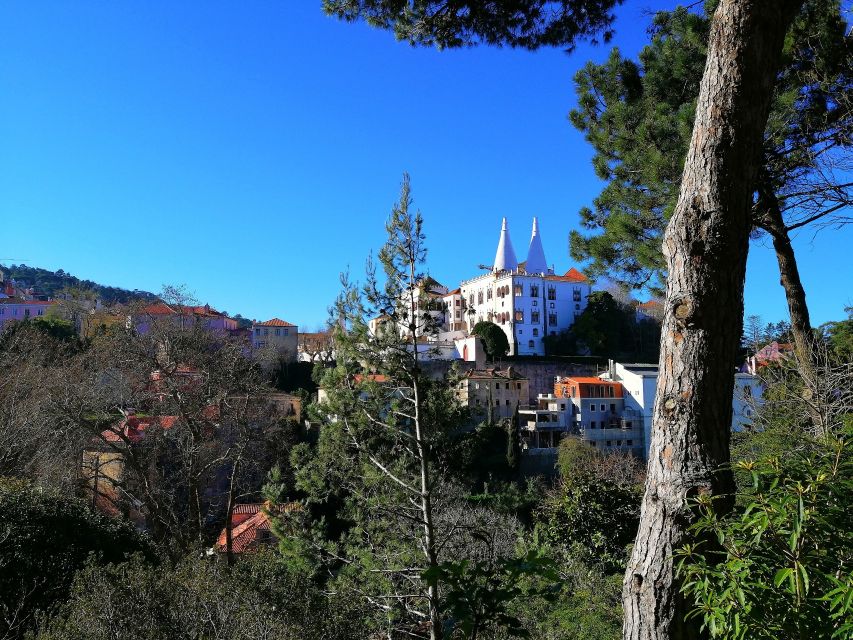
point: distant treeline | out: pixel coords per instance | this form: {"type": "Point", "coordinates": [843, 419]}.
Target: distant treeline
{"type": "Point", "coordinates": [50, 283]}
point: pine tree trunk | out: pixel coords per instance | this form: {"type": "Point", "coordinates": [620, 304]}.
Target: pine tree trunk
{"type": "Point", "coordinates": [705, 245]}
{"type": "Point", "coordinates": [789, 277]}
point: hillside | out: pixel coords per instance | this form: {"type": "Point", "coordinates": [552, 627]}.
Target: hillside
{"type": "Point", "coordinates": [49, 283]}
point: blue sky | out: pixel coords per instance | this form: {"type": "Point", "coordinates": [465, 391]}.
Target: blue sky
{"type": "Point", "coordinates": [252, 151]}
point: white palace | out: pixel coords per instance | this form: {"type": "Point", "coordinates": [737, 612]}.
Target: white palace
{"type": "Point", "coordinates": [525, 299]}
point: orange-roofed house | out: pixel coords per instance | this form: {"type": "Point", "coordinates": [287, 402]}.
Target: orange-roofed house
{"type": "Point", "coordinates": [589, 407]}
{"type": "Point", "coordinates": [183, 315]}
{"type": "Point", "coordinates": [250, 527]}
{"type": "Point", "coordinates": [278, 336]}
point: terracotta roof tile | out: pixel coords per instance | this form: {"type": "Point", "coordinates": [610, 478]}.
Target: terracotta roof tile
{"type": "Point", "coordinates": [275, 322]}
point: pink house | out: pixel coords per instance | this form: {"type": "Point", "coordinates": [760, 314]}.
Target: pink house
{"type": "Point", "coordinates": [16, 309]}
{"type": "Point", "coordinates": [205, 315]}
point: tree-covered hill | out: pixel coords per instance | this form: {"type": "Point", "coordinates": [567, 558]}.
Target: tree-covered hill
{"type": "Point", "coordinates": [50, 283]}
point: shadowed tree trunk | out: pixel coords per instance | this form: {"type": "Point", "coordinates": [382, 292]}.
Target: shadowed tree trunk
{"type": "Point", "coordinates": [705, 246]}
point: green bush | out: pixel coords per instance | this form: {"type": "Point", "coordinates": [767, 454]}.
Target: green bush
{"type": "Point", "coordinates": [780, 568]}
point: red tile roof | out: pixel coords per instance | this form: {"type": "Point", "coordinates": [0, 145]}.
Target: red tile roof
{"type": "Point", "coordinates": [373, 377]}
{"type": "Point", "coordinates": [275, 322]}
{"type": "Point", "coordinates": [133, 428]}
{"type": "Point", "coordinates": [163, 309]}
{"type": "Point", "coordinates": [454, 292]}
{"type": "Point", "coordinates": [572, 275]}
{"type": "Point", "coordinates": [25, 302]}
{"type": "Point", "coordinates": [247, 523]}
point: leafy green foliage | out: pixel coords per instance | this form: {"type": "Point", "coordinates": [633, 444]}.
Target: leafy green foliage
{"type": "Point", "coordinates": [638, 116]}
{"type": "Point", "coordinates": [45, 538]}
{"type": "Point", "coordinates": [839, 335]}
{"type": "Point", "coordinates": [257, 598]}
{"type": "Point", "coordinates": [478, 595]}
{"type": "Point", "coordinates": [530, 24]}
{"type": "Point", "coordinates": [494, 339]}
{"type": "Point", "coordinates": [608, 328]}
{"type": "Point", "coordinates": [780, 567]}
{"type": "Point", "coordinates": [596, 507]}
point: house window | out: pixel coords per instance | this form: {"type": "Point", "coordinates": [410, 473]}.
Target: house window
{"type": "Point", "coordinates": [497, 403]}
{"type": "Point", "coordinates": [257, 331]}
{"type": "Point", "coordinates": [278, 332]}
{"type": "Point", "coordinates": [613, 408]}
{"type": "Point", "coordinates": [266, 331]}
{"type": "Point", "coordinates": [576, 294]}
{"type": "Point", "coordinates": [497, 385]}
{"type": "Point", "coordinates": [518, 385]}
{"type": "Point", "coordinates": [534, 317]}
{"type": "Point", "coordinates": [534, 291]}
{"type": "Point", "coordinates": [506, 386]}
{"type": "Point", "coordinates": [489, 293]}
{"type": "Point", "coordinates": [519, 316]}
{"type": "Point", "coordinates": [457, 301]}
{"type": "Point", "coordinates": [479, 297]}
{"type": "Point", "coordinates": [519, 290]}
{"type": "Point", "coordinates": [592, 424]}
{"type": "Point", "coordinates": [603, 408]}
{"type": "Point", "coordinates": [629, 442]}
{"type": "Point", "coordinates": [530, 343]}
{"type": "Point", "coordinates": [592, 407]}
{"type": "Point", "coordinates": [507, 403]}
{"type": "Point", "coordinates": [552, 293]}
{"type": "Point", "coordinates": [552, 318]}
{"type": "Point", "coordinates": [40, 312]}
{"type": "Point", "coordinates": [535, 331]}
{"type": "Point", "coordinates": [286, 330]}
{"type": "Point", "coordinates": [471, 299]}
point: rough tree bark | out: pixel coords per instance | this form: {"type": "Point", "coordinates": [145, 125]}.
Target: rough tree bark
{"type": "Point", "coordinates": [705, 246]}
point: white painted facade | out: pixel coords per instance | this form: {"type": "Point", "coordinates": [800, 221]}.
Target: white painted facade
{"type": "Point", "coordinates": [527, 305]}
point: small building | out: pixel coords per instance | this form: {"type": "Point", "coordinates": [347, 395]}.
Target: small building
{"type": "Point", "coordinates": [503, 390]}
{"type": "Point", "coordinates": [17, 309]}
{"type": "Point", "coordinates": [278, 335]}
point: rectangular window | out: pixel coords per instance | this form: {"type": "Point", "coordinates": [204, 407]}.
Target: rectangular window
{"type": "Point", "coordinates": [479, 297]}
{"type": "Point", "coordinates": [278, 332]}
{"type": "Point", "coordinates": [506, 385]}
{"type": "Point", "coordinates": [266, 331]}
{"type": "Point", "coordinates": [576, 294]}
{"type": "Point", "coordinates": [535, 331]}
{"type": "Point", "coordinates": [534, 317]}
{"type": "Point", "coordinates": [519, 290]}
{"type": "Point", "coordinates": [603, 408]}
{"type": "Point", "coordinates": [552, 293]}
{"type": "Point", "coordinates": [613, 408]}
{"type": "Point", "coordinates": [592, 424]}
{"type": "Point", "coordinates": [257, 331]}
{"type": "Point", "coordinates": [286, 330]}
{"type": "Point", "coordinates": [497, 403]}
{"type": "Point", "coordinates": [592, 407]}
{"type": "Point", "coordinates": [534, 291]}
{"type": "Point", "coordinates": [457, 301]}
{"type": "Point", "coordinates": [488, 294]}
{"type": "Point", "coordinates": [630, 443]}
{"type": "Point", "coordinates": [552, 318]}
{"type": "Point", "coordinates": [40, 312]}
{"type": "Point", "coordinates": [519, 316]}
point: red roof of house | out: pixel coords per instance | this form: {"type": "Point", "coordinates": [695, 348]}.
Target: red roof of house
{"type": "Point", "coordinates": [275, 322]}
{"type": "Point", "coordinates": [133, 427]}
{"type": "Point", "coordinates": [572, 275]}
{"type": "Point", "coordinates": [373, 377]}
{"type": "Point", "coordinates": [651, 304]}
{"type": "Point", "coordinates": [247, 523]}
{"type": "Point", "coordinates": [587, 380]}
{"type": "Point", "coordinates": [162, 309]}
{"type": "Point", "coordinates": [25, 302]}
{"type": "Point", "coordinates": [454, 292]}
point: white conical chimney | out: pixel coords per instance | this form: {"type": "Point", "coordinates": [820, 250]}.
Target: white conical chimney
{"type": "Point", "coordinates": [505, 257]}
{"type": "Point", "coordinates": [535, 253]}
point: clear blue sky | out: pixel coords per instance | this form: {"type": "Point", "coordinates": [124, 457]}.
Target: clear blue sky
{"type": "Point", "coordinates": [252, 151]}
